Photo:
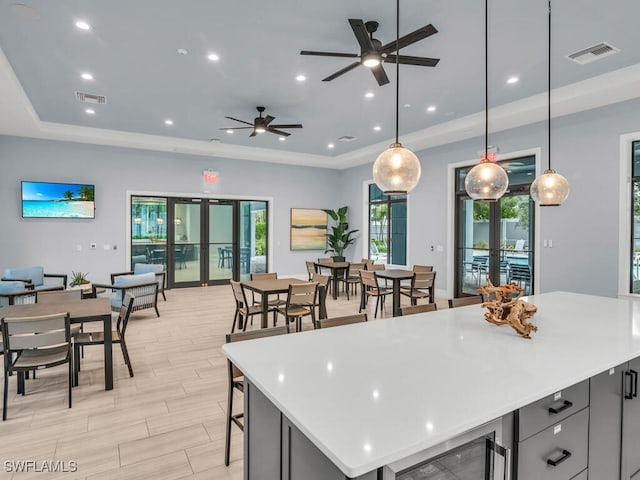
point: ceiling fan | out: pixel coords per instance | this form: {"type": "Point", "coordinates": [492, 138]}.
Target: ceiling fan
{"type": "Point", "coordinates": [263, 124]}
{"type": "Point", "coordinates": [373, 53]}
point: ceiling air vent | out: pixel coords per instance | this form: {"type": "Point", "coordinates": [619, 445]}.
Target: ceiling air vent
{"type": "Point", "coordinates": [91, 98]}
{"type": "Point", "coordinates": [593, 53]}
{"type": "Point", "coordinates": [346, 138]}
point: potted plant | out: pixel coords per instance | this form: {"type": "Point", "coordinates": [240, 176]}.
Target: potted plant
{"type": "Point", "coordinates": [340, 237]}
{"type": "Point", "coordinates": [79, 280]}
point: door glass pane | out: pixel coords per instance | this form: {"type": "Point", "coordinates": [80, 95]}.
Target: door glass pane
{"type": "Point", "coordinates": [398, 233]}
{"type": "Point", "coordinates": [187, 242]}
{"type": "Point", "coordinates": [635, 226]}
{"type": "Point", "coordinates": [148, 230]}
{"type": "Point", "coordinates": [221, 252]}
{"type": "Point", "coordinates": [253, 238]}
{"type": "Point", "coordinates": [378, 221]}
{"type": "Point", "coordinates": [516, 258]}
{"type": "Point", "coordinates": [474, 246]}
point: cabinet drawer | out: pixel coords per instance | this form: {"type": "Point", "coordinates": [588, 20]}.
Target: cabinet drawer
{"type": "Point", "coordinates": [565, 442]}
{"type": "Point", "coordinates": [552, 409]}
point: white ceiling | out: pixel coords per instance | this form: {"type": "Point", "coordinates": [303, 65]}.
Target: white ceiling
{"type": "Point", "coordinates": [132, 53]}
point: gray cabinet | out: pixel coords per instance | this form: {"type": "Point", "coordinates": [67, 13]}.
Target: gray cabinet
{"type": "Point", "coordinates": [614, 429]}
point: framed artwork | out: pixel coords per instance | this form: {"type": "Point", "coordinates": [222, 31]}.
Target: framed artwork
{"type": "Point", "coordinates": [308, 229]}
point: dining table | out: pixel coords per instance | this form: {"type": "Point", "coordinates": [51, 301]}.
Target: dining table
{"type": "Point", "coordinates": [338, 270]}
{"type": "Point", "coordinates": [396, 275]}
{"type": "Point", "coordinates": [264, 288]}
{"type": "Point", "coordinates": [80, 311]}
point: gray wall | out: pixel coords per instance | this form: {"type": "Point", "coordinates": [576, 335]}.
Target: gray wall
{"type": "Point", "coordinates": [585, 149]}
{"type": "Point", "coordinates": [53, 242]}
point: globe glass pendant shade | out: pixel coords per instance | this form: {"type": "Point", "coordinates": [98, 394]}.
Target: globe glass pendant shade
{"type": "Point", "coordinates": [397, 170]}
{"type": "Point", "coordinates": [486, 182]}
{"type": "Point", "coordinates": [550, 189]}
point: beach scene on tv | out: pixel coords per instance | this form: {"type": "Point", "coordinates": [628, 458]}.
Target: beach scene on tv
{"type": "Point", "coordinates": [57, 200]}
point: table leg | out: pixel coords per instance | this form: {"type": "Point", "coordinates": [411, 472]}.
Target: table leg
{"type": "Point", "coordinates": [108, 354]}
{"type": "Point", "coordinates": [396, 297]}
{"type": "Point", "coordinates": [335, 282]}
{"type": "Point", "coordinates": [264, 302]}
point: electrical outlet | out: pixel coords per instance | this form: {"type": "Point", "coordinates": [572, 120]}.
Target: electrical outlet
{"type": "Point", "coordinates": [92, 246]}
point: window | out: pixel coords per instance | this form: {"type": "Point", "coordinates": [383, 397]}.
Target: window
{"type": "Point", "coordinates": [387, 227]}
{"type": "Point", "coordinates": [148, 230]}
{"type": "Point", "coordinates": [635, 218]}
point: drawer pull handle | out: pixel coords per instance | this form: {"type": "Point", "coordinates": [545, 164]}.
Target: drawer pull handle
{"type": "Point", "coordinates": [565, 454]}
{"type": "Point", "coordinates": [628, 392]}
{"type": "Point", "coordinates": [566, 404]}
{"type": "Point", "coordinates": [635, 383]}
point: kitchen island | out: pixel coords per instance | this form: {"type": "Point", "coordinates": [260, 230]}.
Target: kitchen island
{"type": "Point", "coordinates": [368, 395]}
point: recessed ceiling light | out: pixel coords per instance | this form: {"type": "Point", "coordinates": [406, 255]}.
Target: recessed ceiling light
{"type": "Point", "coordinates": [230, 132]}
{"type": "Point", "coordinates": [168, 121]}
{"type": "Point", "coordinates": [431, 108]}
{"type": "Point", "coordinates": [331, 145]}
{"type": "Point", "coordinates": [377, 128]}
{"type": "Point", "coordinates": [512, 80]}
{"type": "Point", "coordinates": [86, 76]}
{"type": "Point", "coordinates": [82, 25]}
{"type": "Point", "coordinates": [301, 78]}
{"type": "Point", "coordinates": [213, 57]}
{"type": "Point", "coordinates": [369, 95]}
{"type": "Point", "coordinates": [282, 139]}
{"type": "Point", "coordinates": [90, 111]}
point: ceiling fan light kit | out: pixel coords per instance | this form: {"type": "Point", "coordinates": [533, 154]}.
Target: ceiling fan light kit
{"type": "Point", "coordinates": [262, 124]}
{"type": "Point", "coordinates": [549, 189]}
{"type": "Point", "coordinates": [397, 170]}
{"type": "Point", "coordinates": [487, 181]}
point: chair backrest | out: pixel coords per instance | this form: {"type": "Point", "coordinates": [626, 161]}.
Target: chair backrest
{"type": "Point", "coordinates": [264, 276]}
{"type": "Point", "coordinates": [412, 309]}
{"type": "Point", "coordinates": [156, 268]}
{"type": "Point", "coordinates": [325, 260]}
{"type": "Point", "coordinates": [354, 269]}
{"type": "Point", "coordinates": [31, 333]}
{"type": "Point", "coordinates": [367, 261]}
{"type": "Point", "coordinates": [519, 244]}
{"type": "Point", "coordinates": [464, 301]}
{"type": "Point", "coordinates": [13, 292]}
{"type": "Point", "coordinates": [339, 321]}
{"type": "Point", "coordinates": [125, 312]}
{"type": "Point", "coordinates": [519, 272]}
{"type": "Point", "coordinates": [58, 295]}
{"type": "Point", "coordinates": [311, 268]}
{"type": "Point", "coordinates": [423, 268]}
{"type": "Point", "coordinates": [235, 372]}
{"type": "Point", "coordinates": [238, 293]}
{"type": "Point", "coordinates": [368, 278]}
{"type": "Point", "coordinates": [423, 280]}
{"type": "Point", "coordinates": [302, 294]}
{"type": "Point", "coordinates": [375, 267]}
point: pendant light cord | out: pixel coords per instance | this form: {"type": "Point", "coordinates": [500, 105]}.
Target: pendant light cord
{"type": "Point", "coordinates": [549, 94]}
{"type": "Point", "coordinates": [486, 80]}
{"type": "Point", "coordinates": [397, 65]}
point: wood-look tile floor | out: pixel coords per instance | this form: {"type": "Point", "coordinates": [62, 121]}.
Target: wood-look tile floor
{"type": "Point", "coordinates": [167, 422]}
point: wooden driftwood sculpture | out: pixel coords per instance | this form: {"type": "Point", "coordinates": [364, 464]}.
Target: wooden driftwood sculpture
{"type": "Point", "coordinates": [505, 308]}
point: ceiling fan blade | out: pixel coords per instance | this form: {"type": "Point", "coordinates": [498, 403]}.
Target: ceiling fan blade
{"type": "Point", "coordinates": [380, 74]}
{"type": "Point", "coordinates": [236, 120]}
{"type": "Point", "coordinates": [290, 125]}
{"type": "Point", "coordinates": [360, 31]}
{"type": "Point", "coordinates": [253, 134]}
{"type": "Point", "coordinates": [268, 119]}
{"type": "Point", "coordinates": [341, 72]}
{"type": "Point", "coordinates": [278, 132]}
{"type": "Point", "coordinates": [330, 54]}
{"type": "Point", "coordinates": [409, 38]}
{"type": "Point", "coordinates": [236, 128]}
{"type": "Point", "coordinates": [408, 60]}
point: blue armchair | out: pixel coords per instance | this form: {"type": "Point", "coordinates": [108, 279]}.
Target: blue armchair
{"type": "Point", "coordinates": [143, 287]}
{"type": "Point", "coordinates": [14, 293]}
{"type": "Point", "coordinates": [140, 268]}
{"type": "Point", "coordinates": [35, 278]}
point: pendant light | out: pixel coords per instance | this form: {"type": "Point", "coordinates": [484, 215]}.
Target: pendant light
{"type": "Point", "coordinates": [487, 181]}
{"type": "Point", "coordinates": [397, 170]}
{"type": "Point", "coordinates": [549, 189]}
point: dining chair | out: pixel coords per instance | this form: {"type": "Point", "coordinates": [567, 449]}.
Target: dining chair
{"type": "Point", "coordinates": [422, 285]}
{"type": "Point", "coordinates": [323, 261]}
{"type": "Point", "coordinates": [464, 301]}
{"type": "Point", "coordinates": [244, 310]}
{"type": "Point", "coordinates": [301, 302]}
{"type": "Point", "coordinates": [324, 281]}
{"type": "Point", "coordinates": [32, 343]}
{"type": "Point", "coordinates": [412, 309]}
{"type": "Point", "coordinates": [370, 288]}
{"type": "Point", "coordinates": [311, 268]}
{"type": "Point", "coordinates": [339, 321]}
{"type": "Point", "coordinates": [352, 277]}
{"type": "Point", "coordinates": [236, 380]}
{"type": "Point", "coordinates": [97, 338]}
{"type": "Point", "coordinates": [423, 268]}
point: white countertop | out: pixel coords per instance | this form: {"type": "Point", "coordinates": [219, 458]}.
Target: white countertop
{"type": "Point", "coordinates": [370, 394]}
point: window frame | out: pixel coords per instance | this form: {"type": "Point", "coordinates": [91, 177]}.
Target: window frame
{"type": "Point", "coordinates": [387, 200]}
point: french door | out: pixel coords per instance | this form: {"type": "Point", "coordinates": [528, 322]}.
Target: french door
{"type": "Point", "coordinates": [494, 240]}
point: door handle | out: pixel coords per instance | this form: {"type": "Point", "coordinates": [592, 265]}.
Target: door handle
{"type": "Point", "coordinates": [504, 453]}
{"type": "Point", "coordinates": [566, 404]}
{"type": "Point", "coordinates": [634, 392]}
{"type": "Point", "coordinates": [565, 454]}
{"type": "Point", "coordinates": [628, 392]}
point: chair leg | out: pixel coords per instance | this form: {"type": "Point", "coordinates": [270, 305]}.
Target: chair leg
{"type": "Point", "coordinates": [76, 364]}
{"type": "Point", "coordinates": [71, 369]}
{"type": "Point", "coordinates": [164, 296]}
{"type": "Point", "coordinates": [125, 354]}
{"type": "Point", "coordinates": [4, 401]}
{"type": "Point", "coordinates": [227, 443]}
{"type": "Point", "coordinates": [157, 312]}
{"type": "Point", "coordinates": [375, 313]}
{"type": "Point", "coordinates": [235, 319]}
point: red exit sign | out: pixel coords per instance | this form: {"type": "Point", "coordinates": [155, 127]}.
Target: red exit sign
{"type": "Point", "coordinates": [209, 177]}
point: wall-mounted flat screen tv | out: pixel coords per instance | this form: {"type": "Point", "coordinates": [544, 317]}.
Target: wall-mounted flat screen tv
{"type": "Point", "coordinates": [58, 200]}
